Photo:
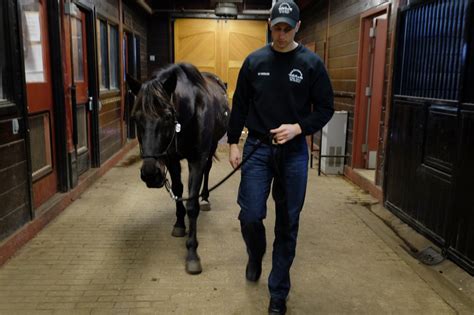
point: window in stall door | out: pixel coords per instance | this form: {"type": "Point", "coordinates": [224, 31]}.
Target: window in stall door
{"type": "Point", "coordinates": [33, 49]}
{"type": "Point", "coordinates": [114, 57]}
{"type": "Point", "coordinates": [77, 49]}
{"type": "Point", "coordinates": [108, 56]}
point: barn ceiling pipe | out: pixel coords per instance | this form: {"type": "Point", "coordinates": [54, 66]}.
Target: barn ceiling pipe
{"type": "Point", "coordinates": [145, 6]}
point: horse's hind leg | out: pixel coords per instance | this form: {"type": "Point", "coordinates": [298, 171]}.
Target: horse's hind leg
{"type": "Point", "coordinates": [179, 228]}
{"type": "Point", "coordinates": [204, 204]}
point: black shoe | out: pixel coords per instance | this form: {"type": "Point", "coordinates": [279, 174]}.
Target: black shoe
{"type": "Point", "coordinates": [253, 270]}
{"type": "Point", "coordinates": [277, 307]}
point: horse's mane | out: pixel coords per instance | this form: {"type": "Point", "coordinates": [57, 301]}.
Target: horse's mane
{"type": "Point", "coordinates": [194, 75]}
{"type": "Point", "coordinates": [153, 99]}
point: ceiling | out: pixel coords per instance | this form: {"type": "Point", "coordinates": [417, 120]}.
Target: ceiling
{"type": "Point", "coordinates": [207, 4]}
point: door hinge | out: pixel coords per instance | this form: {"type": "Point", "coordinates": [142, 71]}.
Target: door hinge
{"type": "Point", "coordinates": [372, 32]}
{"type": "Point", "coordinates": [91, 103]}
{"type": "Point", "coordinates": [368, 91]}
{"type": "Point", "coordinates": [364, 148]}
{"type": "Point", "coordinates": [15, 126]}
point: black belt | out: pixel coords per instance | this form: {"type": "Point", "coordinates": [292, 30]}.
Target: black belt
{"type": "Point", "coordinates": [264, 138]}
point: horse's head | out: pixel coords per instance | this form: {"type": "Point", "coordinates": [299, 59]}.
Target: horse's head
{"type": "Point", "coordinates": [156, 122]}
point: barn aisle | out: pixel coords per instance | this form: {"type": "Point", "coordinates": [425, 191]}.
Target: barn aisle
{"type": "Point", "coordinates": [111, 252]}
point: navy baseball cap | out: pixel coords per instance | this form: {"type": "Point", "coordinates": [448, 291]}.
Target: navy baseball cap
{"type": "Point", "coordinates": [285, 11]}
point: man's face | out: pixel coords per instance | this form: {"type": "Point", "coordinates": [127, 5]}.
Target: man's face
{"type": "Point", "coordinates": [283, 35]}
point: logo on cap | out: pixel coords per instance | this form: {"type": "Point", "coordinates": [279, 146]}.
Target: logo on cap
{"type": "Point", "coordinates": [295, 76]}
{"type": "Point", "coordinates": [284, 8]}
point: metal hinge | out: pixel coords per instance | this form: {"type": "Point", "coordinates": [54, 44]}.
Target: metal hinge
{"type": "Point", "coordinates": [91, 103]}
{"type": "Point", "coordinates": [372, 32]}
{"type": "Point", "coordinates": [368, 91]}
{"type": "Point", "coordinates": [15, 126]}
{"type": "Point", "coordinates": [364, 148]}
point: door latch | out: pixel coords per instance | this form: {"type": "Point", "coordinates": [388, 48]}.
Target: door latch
{"type": "Point", "coordinates": [15, 126]}
{"type": "Point", "coordinates": [91, 103]}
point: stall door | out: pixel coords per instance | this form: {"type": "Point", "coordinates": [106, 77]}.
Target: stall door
{"type": "Point", "coordinates": [240, 39]}
{"type": "Point", "coordinates": [197, 41]}
{"type": "Point", "coordinates": [370, 94]}
{"type": "Point", "coordinates": [39, 99]}
{"type": "Point", "coordinates": [82, 101]}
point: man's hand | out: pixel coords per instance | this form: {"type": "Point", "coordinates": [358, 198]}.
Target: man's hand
{"type": "Point", "coordinates": [234, 155]}
{"type": "Point", "coordinates": [286, 132]}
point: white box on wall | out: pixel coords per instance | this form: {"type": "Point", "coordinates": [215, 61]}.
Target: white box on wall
{"type": "Point", "coordinates": [333, 142]}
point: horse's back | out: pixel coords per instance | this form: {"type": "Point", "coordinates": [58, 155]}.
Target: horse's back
{"type": "Point", "coordinates": [218, 100]}
{"type": "Point", "coordinates": [214, 91]}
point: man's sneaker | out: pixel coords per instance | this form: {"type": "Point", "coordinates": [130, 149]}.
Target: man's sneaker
{"type": "Point", "coordinates": [277, 307]}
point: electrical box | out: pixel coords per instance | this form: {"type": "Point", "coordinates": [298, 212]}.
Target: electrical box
{"type": "Point", "coordinates": [333, 144]}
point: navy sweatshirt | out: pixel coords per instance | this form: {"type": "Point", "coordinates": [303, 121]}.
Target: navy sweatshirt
{"type": "Point", "coordinates": [275, 88]}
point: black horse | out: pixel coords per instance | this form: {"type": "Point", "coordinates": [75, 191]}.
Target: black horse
{"type": "Point", "coordinates": [180, 114]}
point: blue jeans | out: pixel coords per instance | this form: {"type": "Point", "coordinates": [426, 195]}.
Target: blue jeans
{"type": "Point", "coordinates": [289, 189]}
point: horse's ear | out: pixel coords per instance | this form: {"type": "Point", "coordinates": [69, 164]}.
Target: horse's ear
{"type": "Point", "coordinates": [170, 83]}
{"type": "Point", "coordinates": [134, 84]}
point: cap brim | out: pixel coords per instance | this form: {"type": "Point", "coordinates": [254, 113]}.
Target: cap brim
{"type": "Point", "coordinates": [283, 19]}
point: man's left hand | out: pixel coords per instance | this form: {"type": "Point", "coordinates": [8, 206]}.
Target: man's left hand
{"type": "Point", "coordinates": [286, 132]}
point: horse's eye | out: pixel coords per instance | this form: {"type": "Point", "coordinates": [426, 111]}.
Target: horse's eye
{"type": "Point", "coordinates": [168, 117]}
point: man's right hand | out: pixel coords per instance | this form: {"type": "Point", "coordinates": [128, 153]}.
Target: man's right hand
{"type": "Point", "coordinates": [234, 155]}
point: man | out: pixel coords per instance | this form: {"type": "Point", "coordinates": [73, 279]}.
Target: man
{"type": "Point", "coordinates": [276, 87]}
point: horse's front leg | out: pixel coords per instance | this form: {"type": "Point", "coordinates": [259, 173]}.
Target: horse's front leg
{"type": "Point", "coordinates": [196, 170]}
{"type": "Point", "coordinates": [204, 204]}
{"type": "Point", "coordinates": [179, 228]}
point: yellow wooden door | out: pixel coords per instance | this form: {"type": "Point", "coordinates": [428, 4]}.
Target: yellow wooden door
{"type": "Point", "coordinates": [196, 42]}
{"type": "Point", "coordinates": [240, 38]}
{"type": "Point", "coordinates": [218, 46]}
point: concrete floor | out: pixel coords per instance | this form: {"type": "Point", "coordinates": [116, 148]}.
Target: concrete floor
{"type": "Point", "coordinates": [111, 252]}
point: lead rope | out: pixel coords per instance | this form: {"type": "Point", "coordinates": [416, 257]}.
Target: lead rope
{"type": "Point", "coordinates": [175, 198]}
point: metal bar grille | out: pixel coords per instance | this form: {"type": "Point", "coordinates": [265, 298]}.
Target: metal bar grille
{"type": "Point", "coordinates": [431, 60]}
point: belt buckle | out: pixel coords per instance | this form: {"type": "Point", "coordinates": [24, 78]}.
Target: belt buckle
{"type": "Point", "coordinates": [274, 141]}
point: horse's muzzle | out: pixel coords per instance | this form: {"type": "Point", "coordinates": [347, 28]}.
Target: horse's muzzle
{"type": "Point", "coordinates": [152, 174]}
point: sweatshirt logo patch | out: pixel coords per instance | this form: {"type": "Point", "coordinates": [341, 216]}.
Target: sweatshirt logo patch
{"type": "Point", "coordinates": [263, 74]}
{"type": "Point", "coordinates": [296, 76]}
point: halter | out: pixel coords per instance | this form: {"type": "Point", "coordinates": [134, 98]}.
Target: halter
{"type": "Point", "coordinates": [174, 138]}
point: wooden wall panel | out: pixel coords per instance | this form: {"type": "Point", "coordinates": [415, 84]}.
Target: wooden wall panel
{"type": "Point", "coordinates": [344, 50]}
{"type": "Point", "coordinates": [314, 24]}
{"type": "Point", "coordinates": [14, 197]}
{"type": "Point", "coordinates": [14, 220]}
{"type": "Point", "coordinates": [159, 42]}
{"type": "Point", "coordinates": [110, 140]}
{"type": "Point", "coordinates": [12, 153]}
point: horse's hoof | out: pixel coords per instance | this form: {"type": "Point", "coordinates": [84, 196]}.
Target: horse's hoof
{"type": "Point", "coordinates": [205, 205]}
{"type": "Point", "coordinates": [193, 267]}
{"type": "Point", "coordinates": [178, 231]}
